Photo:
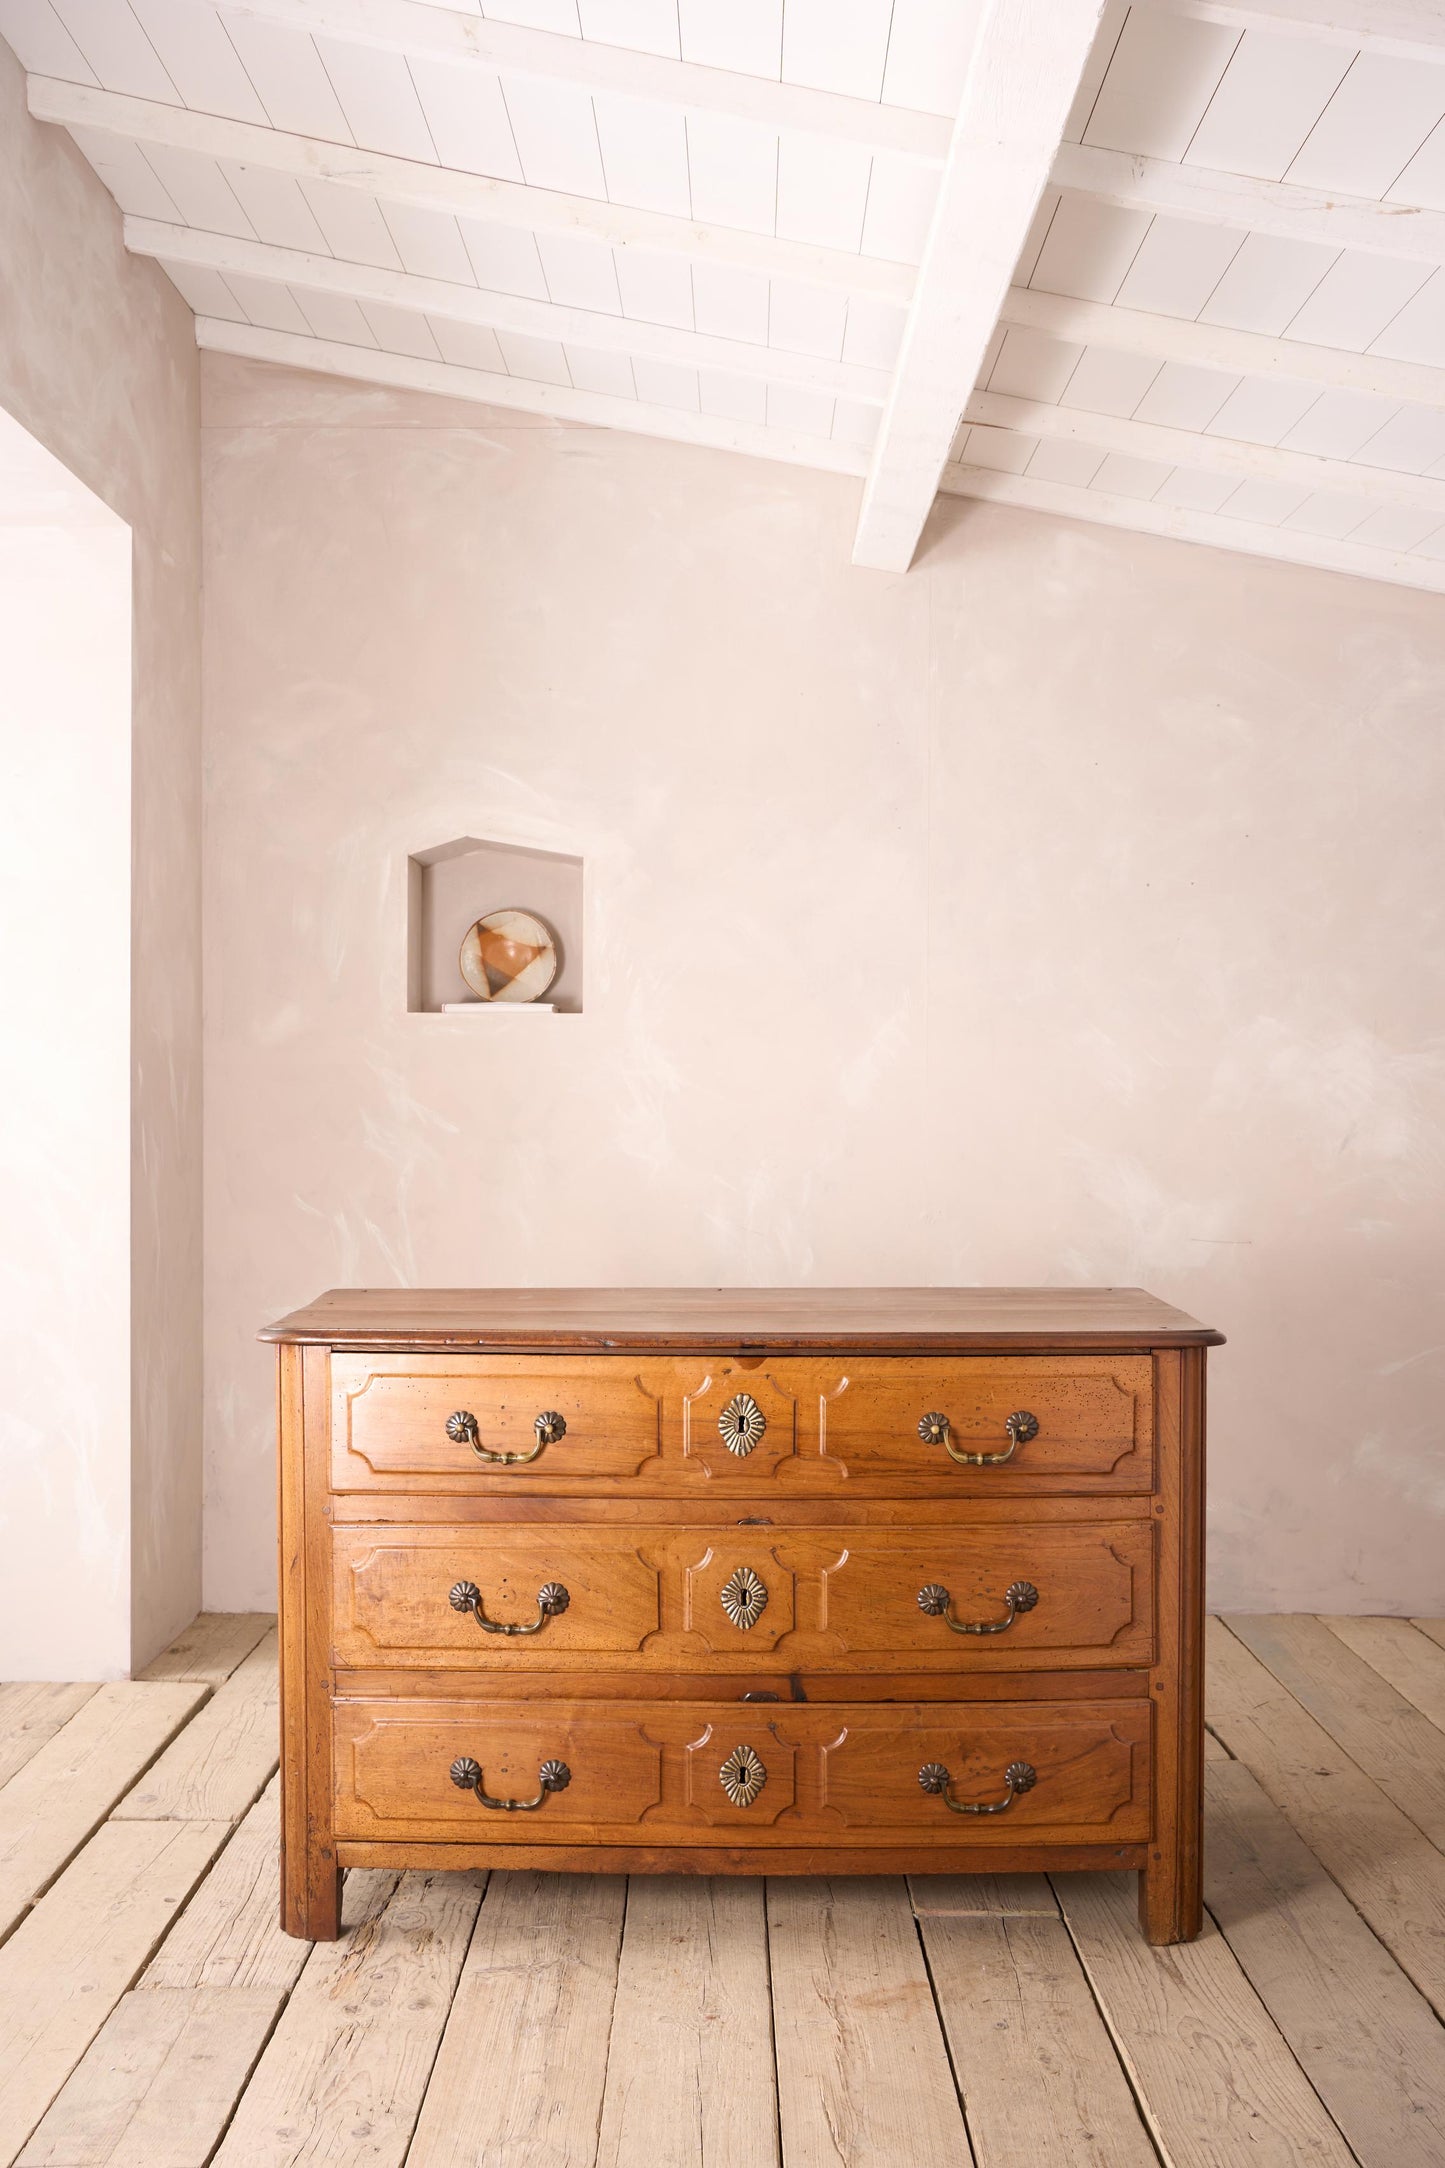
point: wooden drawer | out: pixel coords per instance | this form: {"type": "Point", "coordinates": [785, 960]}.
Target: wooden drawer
{"type": "Point", "coordinates": [676, 1426]}
{"type": "Point", "coordinates": [1088, 1421]}
{"type": "Point", "coordinates": [720, 1597]}
{"type": "Point", "coordinates": [392, 1596]}
{"type": "Point", "coordinates": [395, 1418]}
{"type": "Point", "coordinates": [720, 1774]}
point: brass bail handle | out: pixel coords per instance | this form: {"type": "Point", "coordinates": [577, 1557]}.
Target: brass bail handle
{"type": "Point", "coordinates": [1020, 1776]}
{"type": "Point", "coordinates": [935, 1429]}
{"type": "Point", "coordinates": [552, 1601]}
{"type": "Point", "coordinates": [553, 1776]}
{"type": "Point", "coordinates": [935, 1601]}
{"type": "Point", "coordinates": [463, 1429]}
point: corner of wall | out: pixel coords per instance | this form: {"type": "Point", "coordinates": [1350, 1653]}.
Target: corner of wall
{"type": "Point", "coordinates": [130, 430]}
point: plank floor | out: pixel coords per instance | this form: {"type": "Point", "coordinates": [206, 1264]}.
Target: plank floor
{"type": "Point", "coordinates": [153, 2016]}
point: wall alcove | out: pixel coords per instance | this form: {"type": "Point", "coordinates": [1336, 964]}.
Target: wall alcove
{"type": "Point", "coordinates": [452, 884]}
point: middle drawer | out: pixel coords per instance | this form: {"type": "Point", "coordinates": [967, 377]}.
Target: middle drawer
{"type": "Point", "coordinates": [1016, 1595]}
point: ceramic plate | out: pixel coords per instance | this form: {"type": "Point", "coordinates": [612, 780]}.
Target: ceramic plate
{"type": "Point", "coordinates": [509, 956]}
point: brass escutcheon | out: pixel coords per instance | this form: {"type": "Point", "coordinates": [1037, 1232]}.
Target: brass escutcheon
{"type": "Point", "coordinates": [741, 1424]}
{"type": "Point", "coordinates": [742, 1776]}
{"type": "Point", "coordinates": [744, 1598]}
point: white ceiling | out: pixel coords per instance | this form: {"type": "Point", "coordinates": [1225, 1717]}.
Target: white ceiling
{"type": "Point", "coordinates": [706, 219]}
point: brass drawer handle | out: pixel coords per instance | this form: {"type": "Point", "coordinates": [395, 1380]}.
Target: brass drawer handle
{"type": "Point", "coordinates": [1020, 1596]}
{"type": "Point", "coordinates": [1021, 1426]}
{"type": "Point", "coordinates": [1020, 1776]}
{"type": "Point", "coordinates": [552, 1601]}
{"type": "Point", "coordinates": [553, 1776]}
{"type": "Point", "coordinates": [462, 1429]}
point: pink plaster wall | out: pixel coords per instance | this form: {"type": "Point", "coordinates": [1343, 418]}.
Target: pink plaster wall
{"type": "Point", "coordinates": [1067, 911]}
{"type": "Point", "coordinates": [98, 361]}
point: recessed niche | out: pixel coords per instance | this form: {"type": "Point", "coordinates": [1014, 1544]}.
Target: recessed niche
{"type": "Point", "coordinates": [454, 884]}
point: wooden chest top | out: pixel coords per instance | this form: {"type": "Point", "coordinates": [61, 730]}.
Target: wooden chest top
{"type": "Point", "coordinates": [913, 1319]}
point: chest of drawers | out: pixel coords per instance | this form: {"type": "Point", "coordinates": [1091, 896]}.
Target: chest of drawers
{"type": "Point", "coordinates": [742, 1582]}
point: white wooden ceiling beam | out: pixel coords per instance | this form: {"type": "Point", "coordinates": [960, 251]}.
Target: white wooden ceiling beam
{"type": "Point", "coordinates": [1139, 516]}
{"type": "Point", "coordinates": [1234, 199]}
{"type": "Point", "coordinates": [466, 195]}
{"type": "Point", "coordinates": [1205, 454]}
{"type": "Point", "coordinates": [1026, 66]}
{"type": "Point", "coordinates": [1398, 29]}
{"type": "Point", "coordinates": [361, 364]}
{"type": "Point", "coordinates": [1217, 346]}
{"type": "Point", "coordinates": [443, 298]}
{"type": "Point", "coordinates": [435, 32]}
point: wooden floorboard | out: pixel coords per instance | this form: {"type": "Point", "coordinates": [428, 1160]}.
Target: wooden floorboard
{"type": "Point", "coordinates": [690, 2053]}
{"type": "Point", "coordinates": [1410, 1660]}
{"type": "Point", "coordinates": [863, 2072]}
{"type": "Point", "coordinates": [72, 1958]}
{"type": "Point", "coordinates": [1391, 1873]}
{"type": "Point", "coordinates": [153, 2015]}
{"type": "Point", "coordinates": [1039, 2077]}
{"type": "Point", "coordinates": [1383, 1733]}
{"type": "Point", "coordinates": [160, 2080]}
{"type": "Point", "coordinates": [29, 1715]}
{"type": "Point", "coordinates": [229, 1935]}
{"type": "Point", "coordinates": [1367, 2040]}
{"type": "Point", "coordinates": [65, 1791]}
{"type": "Point", "coordinates": [343, 2075]}
{"type": "Point", "coordinates": [522, 2067]}
{"type": "Point", "coordinates": [991, 1894]}
{"type": "Point", "coordinates": [223, 1759]}
{"type": "Point", "coordinates": [211, 1647]}
{"type": "Point", "coordinates": [1218, 2083]}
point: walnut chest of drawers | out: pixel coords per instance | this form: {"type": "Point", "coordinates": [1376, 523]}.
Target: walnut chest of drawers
{"type": "Point", "coordinates": [737, 1582]}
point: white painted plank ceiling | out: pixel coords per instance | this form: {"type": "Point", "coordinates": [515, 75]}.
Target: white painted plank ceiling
{"type": "Point", "coordinates": [705, 218]}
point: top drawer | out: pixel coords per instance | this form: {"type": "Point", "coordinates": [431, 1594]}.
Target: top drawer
{"type": "Point", "coordinates": [676, 1426]}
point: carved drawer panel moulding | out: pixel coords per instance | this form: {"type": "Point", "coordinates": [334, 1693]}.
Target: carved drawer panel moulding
{"type": "Point", "coordinates": [740, 1425]}
{"type": "Point", "coordinates": [741, 1777]}
{"type": "Point", "coordinates": [1090, 1765]}
{"type": "Point", "coordinates": [758, 1771]}
{"type": "Point", "coordinates": [394, 1764]}
{"type": "Point", "coordinates": [396, 1591]}
{"type": "Point", "coordinates": [733, 1581]}
{"type": "Point", "coordinates": [822, 1599]}
{"type": "Point", "coordinates": [809, 1427]}
{"type": "Point", "coordinates": [1089, 1421]}
{"type": "Point", "coordinates": [745, 1581]}
{"type": "Point", "coordinates": [425, 1418]}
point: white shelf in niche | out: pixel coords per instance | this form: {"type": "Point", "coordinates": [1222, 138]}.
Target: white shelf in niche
{"type": "Point", "coordinates": [453, 884]}
{"type": "Point", "coordinates": [499, 1008]}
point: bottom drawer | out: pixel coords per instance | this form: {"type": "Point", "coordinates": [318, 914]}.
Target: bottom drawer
{"type": "Point", "coordinates": [568, 1772]}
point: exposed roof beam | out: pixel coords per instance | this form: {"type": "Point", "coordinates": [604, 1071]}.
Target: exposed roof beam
{"type": "Point", "coordinates": [1139, 516]}
{"type": "Point", "coordinates": [501, 312]}
{"type": "Point", "coordinates": [1216, 346]}
{"type": "Point", "coordinates": [1026, 66]}
{"type": "Point", "coordinates": [1206, 454]}
{"type": "Point", "coordinates": [1232, 199]}
{"type": "Point", "coordinates": [416, 26]}
{"type": "Point", "coordinates": [361, 364]}
{"type": "Point", "coordinates": [466, 195]}
{"type": "Point", "coordinates": [1400, 29]}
